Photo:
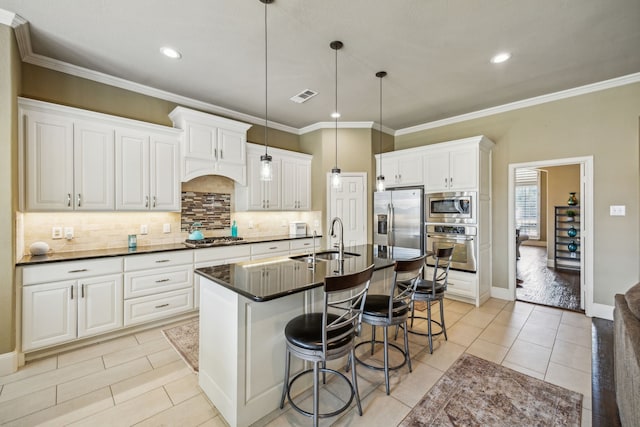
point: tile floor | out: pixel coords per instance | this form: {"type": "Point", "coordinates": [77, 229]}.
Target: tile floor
{"type": "Point", "coordinates": [140, 380]}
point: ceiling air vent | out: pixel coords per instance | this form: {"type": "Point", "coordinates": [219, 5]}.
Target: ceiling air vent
{"type": "Point", "coordinates": [303, 96]}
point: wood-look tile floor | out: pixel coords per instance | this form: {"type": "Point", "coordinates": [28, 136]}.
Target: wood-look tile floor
{"type": "Point", "coordinates": [140, 380]}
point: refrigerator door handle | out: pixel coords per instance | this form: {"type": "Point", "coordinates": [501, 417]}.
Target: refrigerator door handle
{"type": "Point", "coordinates": [392, 225]}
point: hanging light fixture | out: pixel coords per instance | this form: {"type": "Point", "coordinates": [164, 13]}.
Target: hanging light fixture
{"type": "Point", "coordinates": [335, 172]}
{"type": "Point", "coordinates": [380, 178]}
{"type": "Point", "coordinates": [266, 171]}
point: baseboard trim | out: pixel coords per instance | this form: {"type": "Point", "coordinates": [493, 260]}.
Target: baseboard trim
{"type": "Point", "coordinates": [602, 311]}
{"type": "Point", "coordinates": [8, 363]}
{"type": "Point", "coordinates": [501, 293]}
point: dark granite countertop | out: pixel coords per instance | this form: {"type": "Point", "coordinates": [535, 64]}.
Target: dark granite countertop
{"type": "Point", "coordinates": [292, 276]}
{"type": "Point", "coordinates": [147, 249]}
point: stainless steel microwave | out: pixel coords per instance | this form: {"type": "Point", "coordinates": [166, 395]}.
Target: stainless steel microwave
{"type": "Point", "coordinates": [451, 207]}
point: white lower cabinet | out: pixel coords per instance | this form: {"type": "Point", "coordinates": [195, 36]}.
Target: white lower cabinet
{"type": "Point", "coordinates": [66, 301]}
{"type": "Point", "coordinates": [157, 285]}
{"type": "Point", "coordinates": [153, 307]}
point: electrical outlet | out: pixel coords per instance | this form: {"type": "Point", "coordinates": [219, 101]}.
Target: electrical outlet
{"type": "Point", "coordinates": [316, 223]}
{"type": "Point", "coordinates": [144, 229]}
{"type": "Point", "coordinates": [68, 233]}
{"type": "Point", "coordinates": [617, 210]}
{"type": "Point", "coordinates": [250, 225]}
{"type": "Point", "coordinates": [166, 228]}
{"type": "Point", "coordinates": [56, 233]}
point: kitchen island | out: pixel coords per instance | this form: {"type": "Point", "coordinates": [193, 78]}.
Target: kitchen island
{"type": "Point", "coordinates": [244, 308]}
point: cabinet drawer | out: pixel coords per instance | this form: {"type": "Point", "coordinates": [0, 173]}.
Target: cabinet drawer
{"type": "Point", "coordinates": [302, 245]}
{"type": "Point", "coordinates": [142, 283]}
{"type": "Point", "coordinates": [459, 283]}
{"type": "Point", "coordinates": [158, 260]}
{"type": "Point", "coordinates": [221, 253]}
{"type": "Point", "coordinates": [267, 248]}
{"type": "Point", "coordinates": [59, 271]}
{"type": "Point", "coordinates": [145, 309]}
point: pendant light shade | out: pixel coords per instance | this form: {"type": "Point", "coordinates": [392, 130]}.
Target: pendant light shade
{"type": "Point", "coordinates": [336, 180]}
{"type": "Point", "coordinates": [380, 184]}
{"type": "Point", "coordinates": [266, 171]}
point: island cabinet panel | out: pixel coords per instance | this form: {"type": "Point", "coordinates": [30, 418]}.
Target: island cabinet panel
{"type": "Point", "coordinates": [245, 379]}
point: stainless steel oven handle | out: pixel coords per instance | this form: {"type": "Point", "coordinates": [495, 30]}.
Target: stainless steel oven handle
{"type": "Point", "coordinates": [451, 239]}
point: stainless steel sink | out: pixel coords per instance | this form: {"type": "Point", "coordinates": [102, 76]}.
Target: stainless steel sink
{"type": "Point", "coordinates": [323, 256]}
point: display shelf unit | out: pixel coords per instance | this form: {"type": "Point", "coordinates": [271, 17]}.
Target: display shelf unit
{"type": "Point", "coordinates": [567, 237]}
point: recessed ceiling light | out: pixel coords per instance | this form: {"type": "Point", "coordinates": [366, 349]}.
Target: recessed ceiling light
{"type": "Point", "coordinates": [501, 57]}
{"type": "Point", "coordinates": [170, 52]}
{"type": "Point", "coordinates": [335, 115]}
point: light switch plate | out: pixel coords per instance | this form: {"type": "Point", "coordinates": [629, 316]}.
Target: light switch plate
{"type": "Point", "coordinates": [617, 210]}
{"type": "Point", "coordinates": [166, 228]}
{"type": "Point", "coordinates": [144, 229]}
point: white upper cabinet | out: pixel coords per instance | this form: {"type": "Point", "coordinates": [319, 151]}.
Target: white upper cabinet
{"type": "Point", "coordinates": [451, 170]}
{"type": "Point", "coordinates": [289, 189]}
{"type": "Point", "coordinates": [296, 184]}
{"type": "Point", "coordinates": [211, 145]}
{"type": "Point", "coordinates": [258, 194]}
{"type": "Point", "coordinates": [147, 171]}
{"type": "Point", "coordinates": [69, 163]}
{"type": "Point", "coordinates": [81, 160]}
{"type": "Point", "coordinates": [401, 170]}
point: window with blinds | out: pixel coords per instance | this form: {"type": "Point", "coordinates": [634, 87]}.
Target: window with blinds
{"type": "Point", "coordinates": [528, 202]}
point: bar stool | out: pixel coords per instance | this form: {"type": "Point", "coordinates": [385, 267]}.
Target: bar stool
{"type": "Point", "coordinates": [393, 310]}
{"type": "Point", "coordinates": [319, 337]}
{"type": "Point", "coordinates": [432, 291]}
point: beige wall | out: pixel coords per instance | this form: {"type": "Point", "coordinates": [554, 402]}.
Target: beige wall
{"type": "Point", "coordinates": [9, 84]}
{"type": "Point", "coordinates": [355, 154]}
{"type": "Point", "coordinates": [602, 124]}
{"type": "Point", "coordinates": [561, 180]}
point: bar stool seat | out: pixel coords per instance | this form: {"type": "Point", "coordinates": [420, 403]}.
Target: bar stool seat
{"type": "Point", "coordinates": [305, 331]}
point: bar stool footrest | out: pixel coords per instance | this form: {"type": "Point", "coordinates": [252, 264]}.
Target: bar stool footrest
{"type": "Point", "coordinates": [426, 334]}
{"type": "Point", "coordinates": [326, 414]}
{"type": "Point", "coordinates": [381, 368]}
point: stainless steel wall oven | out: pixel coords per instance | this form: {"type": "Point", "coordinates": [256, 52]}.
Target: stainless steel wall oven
{"type": "Point", "coordinates": [462, 238]}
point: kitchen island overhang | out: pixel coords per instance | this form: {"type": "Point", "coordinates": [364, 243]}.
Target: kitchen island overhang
{"type": "Point", "coordinates": [244, 309]}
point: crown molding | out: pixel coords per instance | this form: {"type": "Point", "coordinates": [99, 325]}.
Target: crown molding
{"type": "Point", "coordinates": [530, 102]}
{"type": "Point", "coordinates": [332, 125]}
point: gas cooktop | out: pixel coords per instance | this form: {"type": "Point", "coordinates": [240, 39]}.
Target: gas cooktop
{"type": "Point", "coordinates": [211, 241]}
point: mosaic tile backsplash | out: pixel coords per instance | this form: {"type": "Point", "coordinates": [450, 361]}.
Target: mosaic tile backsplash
{"type": "Point", "coordinates": [212, 210]}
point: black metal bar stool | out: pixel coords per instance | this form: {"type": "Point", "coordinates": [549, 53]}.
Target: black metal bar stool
{"type": "Point", "coordinates": [393, 310]}
{"type": "Point", "coordinates": [319, 337]}
{"type": "Point", "coordinates": [432, 291]}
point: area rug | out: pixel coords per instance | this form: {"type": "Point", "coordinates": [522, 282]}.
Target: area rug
{"type": "Point", "coordinates": [185, 339]}
{"type": "Point", "coordinates": [476, 392]}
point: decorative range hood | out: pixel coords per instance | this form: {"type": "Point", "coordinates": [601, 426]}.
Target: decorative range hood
{"type": "Point", "coordinates": [211, 145]}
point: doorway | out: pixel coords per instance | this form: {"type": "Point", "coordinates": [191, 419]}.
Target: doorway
{"type": "Point", "coordinates": [349, 203]}
{"type": "Point", "coordinates": [555, 262]}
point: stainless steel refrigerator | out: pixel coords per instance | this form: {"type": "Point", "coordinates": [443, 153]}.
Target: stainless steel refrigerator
{"type": "Point", "coordinates": [398, 218]}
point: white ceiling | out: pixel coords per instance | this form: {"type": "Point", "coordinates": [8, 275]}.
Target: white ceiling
{"type": "Point", "coordinates": [436, 52]}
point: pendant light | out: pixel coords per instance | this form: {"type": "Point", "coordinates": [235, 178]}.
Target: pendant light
{"type": "Point", "coordinates": [380, 178]}
{"type": "Point", "coordinates": [335, 172]}
{"type": "Point", "coordinates": [266, 170]}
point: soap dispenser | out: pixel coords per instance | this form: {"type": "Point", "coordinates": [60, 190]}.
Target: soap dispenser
{"type": "Point", "coordinates": [234, 229]}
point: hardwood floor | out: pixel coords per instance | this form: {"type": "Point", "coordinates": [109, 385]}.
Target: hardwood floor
{"type": "Point", "coordinates": [546, 286]}
{"type": "Point", "coordinates": [605, 408]}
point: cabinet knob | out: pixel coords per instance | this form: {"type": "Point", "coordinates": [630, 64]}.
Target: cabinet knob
{"type": "Point", "coordinates": [221, 155]}
{"type": "Point", "coordinates": [146, 201]}
{"type": "Point", "coordinates": [79, 200]}
{"type": "Point", "coordinates": [68, 200]}
{"type": "Point", "coordinates": [154, 201]}
{"type": "Point", "coordinates": [71, 291]}
{"type": "Point", "coordinates": [215, 153]}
